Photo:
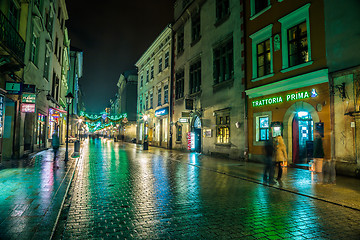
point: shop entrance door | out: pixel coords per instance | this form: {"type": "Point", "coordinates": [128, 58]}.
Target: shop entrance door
{"type": "Point", "coordinates": [303, 132]}
{"type": "Point", "coordinates": [197, 131]}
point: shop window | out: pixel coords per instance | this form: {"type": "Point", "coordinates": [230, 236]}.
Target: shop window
{"type": "Point", "coordinates": [195, 77]}
{"type": "Point", "coordinates": [222, 9]}
{"type": "Point", "coordinates": [165, 129]}
{"type": "Point", "coordinates": [195, 28]}
{"type": "Point", "coordinates": [261, 126]}
{"type": "Point", "coordinates": [295, 39]}
{"type": "Point", "coordinates": [166, 63]}
{"type": "Point", "coordinates": [179, 87]}
{"type": "Point", "coordinates": [262, 52]}
{"type": "Point", "coordinates": [180, 41]}
{"type": "Point", "coordinates": [178, 133]}
{"type": "Point", "coordinates": [298, 45]}
{"type": "Point", "coordinates": [223, 127]}
{"type": "Point", "coordinates": [166, 93]}
{"type": "Point", "coordinates": [223, 62]}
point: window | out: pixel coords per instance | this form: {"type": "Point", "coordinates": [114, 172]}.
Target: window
{"type": "Point", "coordinates": [14, 15]}
{"type": "Point", "coordinates": [37, 4]}
{"type": "Point", "coordinates": [147, 76]}
{"type": "Point", "coordinates": [47, 63]}
{"type": "Point", "coordinates": [223, 62]}
{"type": "Point", "coordinates": [160, 64]}
{"type": "Point", "coordinates": [159, 96]}
{"type": "Point", "coordinates": [195, 28]}
{"type": "Point", "coordinates": [151, 100]}
{"type": "Point", "coordinates": [166, 93]}
{"type": "Point", "coordinates": [180, 40]}
{"type": "Point", "coordinates": [262, 53]}
{"type": "Point", "coordinates": [298, 46]}
{"type": "Point", "coordinates": [222, 9]}
{"type": "Point", "coordinates": [263, 58]}
{"type": "Point", "coordinates": [179, 87]}
{"type": "Point", "coordinates": [141, 105]}
{"type": "Point", "coordinates": [223, 127]}
{"type": "Point", "coordinates": [259, 6]}
{"type": "Point", "coordinates": [147, 102]}
{"type": "Point", "coordinates": [263, 128]}
{"type": "Point", "coordinates": [56, 46]}
{"type": "Point", "coordinates": [141, 81]}
{"type": "Point", "coordinates": [295, 39]}
{"type": "Point", "coordinates": [34, 49]}
{"type": "Point", "coordinates": [152, 72]}
{"type": "Point", "coordinates": [166, 64]}
{"type": "Point", "coordinates": [49, 21]}
{"type": "Point", "coordinates": [178, 133]}
{"type": "Point", "coordinates": [195, 77]}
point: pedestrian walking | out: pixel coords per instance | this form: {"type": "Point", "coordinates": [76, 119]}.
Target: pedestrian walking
{"type": "Point", "coordinates": [269, 166]}
{"type": "Point", "coordinates": [55, 143]}
{"type": "Point", "coordinates": [280, 154]}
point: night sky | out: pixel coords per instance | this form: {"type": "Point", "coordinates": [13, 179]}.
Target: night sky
{"type": "Point", "coordinates": [113, 35]}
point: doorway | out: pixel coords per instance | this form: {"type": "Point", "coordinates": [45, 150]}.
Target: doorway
{"type": "Point", "coordinates": [197, 131]}
{"type": "Point", "coordinates": [302, 137]}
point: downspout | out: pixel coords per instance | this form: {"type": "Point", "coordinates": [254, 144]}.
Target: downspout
{"type": "Point", "coordinates": [246, 129]}
{"type": "Point", "coordinates": [170, 90]}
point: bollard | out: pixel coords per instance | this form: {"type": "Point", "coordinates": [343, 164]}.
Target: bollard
{"type": "Point", "coordinates": [77, 146]}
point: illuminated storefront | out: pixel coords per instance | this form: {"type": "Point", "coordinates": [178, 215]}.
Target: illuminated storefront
{"type": "Point", "coordinates": [294, 114]}
{"type": "Point", "coordinates": [40, 130]}
{"type": "Point", "coordinates": [161, 126]}
{"type": "Point", "coordinates": [57, 120]}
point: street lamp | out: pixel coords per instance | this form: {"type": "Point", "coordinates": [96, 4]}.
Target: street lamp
{"type": "Point", "coordinates": [69, 97]}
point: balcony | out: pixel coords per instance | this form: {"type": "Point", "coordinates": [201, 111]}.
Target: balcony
{"type": "Point", "coordinates": [10, 42]}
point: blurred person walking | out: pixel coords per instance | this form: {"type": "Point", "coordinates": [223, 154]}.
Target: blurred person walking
{"type": "Point", "coordinates": [280, 154]}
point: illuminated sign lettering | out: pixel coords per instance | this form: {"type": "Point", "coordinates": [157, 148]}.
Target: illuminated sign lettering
{"type": "Point", "coordinates": [28, 98]}
{"type": "Point", "coordinates": [191, 140]}
{"type": "Point", "coordinates": [183, 120]}
{"type": "Point", "coordinates": [27, 107]}
{"type": "Point", "coordinates": [162, 111]}
{"type": "Point", "coordinates": [288, 98]}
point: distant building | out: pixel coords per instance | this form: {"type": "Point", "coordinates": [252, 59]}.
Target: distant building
{"type": "Point", "coordinates": [209, 106]}
{"type": "Point", "coordinates": [154, 76]}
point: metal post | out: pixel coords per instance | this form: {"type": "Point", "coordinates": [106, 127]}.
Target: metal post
{"type": "Point", "coordinates": [67, 135]}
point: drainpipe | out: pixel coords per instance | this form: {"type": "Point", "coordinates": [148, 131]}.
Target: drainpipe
{"type": "Point", "coordinates": [170, 90]}
{"type": "Point", "coordinates": [246, 129]}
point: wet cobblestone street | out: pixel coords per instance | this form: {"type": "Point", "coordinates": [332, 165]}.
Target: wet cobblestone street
{"type": "Point", "coordinates": [122, 192]}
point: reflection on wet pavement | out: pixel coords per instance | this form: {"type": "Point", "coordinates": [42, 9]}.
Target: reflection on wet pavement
{"type": "Point", "coordinates": [123, 192]}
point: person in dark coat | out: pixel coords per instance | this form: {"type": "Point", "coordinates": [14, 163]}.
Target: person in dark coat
{"type": "Point", "coordinates": [269, 166]}
{"type": "Point", "coordinates": [55, 143]}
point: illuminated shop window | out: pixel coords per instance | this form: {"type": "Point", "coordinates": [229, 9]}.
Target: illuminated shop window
{"type": "Point", "coordinates": [178, 133]}
{"type": "Point", "coordinates": [263, 128]}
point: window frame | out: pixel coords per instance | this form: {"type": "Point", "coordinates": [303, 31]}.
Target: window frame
{"type": "Point", "coordinates": [179, 84]}
{"type": "Point", "coordinates": [166, 59]}
{"type": "Point", "coordinates": [166, 93]}
{"type": "Point", "coordinates": [179, 133]}
{"type": "Point", "coordinates": [195, 28]}
{"type": "Point", "coordinates": [223, 124]}
{"type": "Point", "coordinates": [255, 14]}
{"type": "Point", "coordinates": [222, 11]}
{"type": "Point", "coordinates": [256, 127]}
{"type": "Point", "coordinates": [195, 77]}
{"type": "Point", "coordinates": [34, 51]}
{"type": "Point", "coordinates": [159, 96]}
{"type": "Point", "coordinates": [294, 18]}
{"type": "Point", "coordinates": [296, 40]}
{"type": "Point", "coordinates": [218, 61]}
{"type": "Point", "coordinates": [180, 35]}
{"type": "Point", "coordinates": [160, 65]}
{"type": "Point", "coordinates": [259, 37]}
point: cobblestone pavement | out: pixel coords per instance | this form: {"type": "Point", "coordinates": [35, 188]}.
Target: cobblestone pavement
{"type": "Point", "coordinates": [122, 192]}
{"type": "Point", "coordinates": [32, 191]}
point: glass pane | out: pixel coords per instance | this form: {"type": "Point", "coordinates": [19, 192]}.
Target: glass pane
{"type": "Point", "coordinates": [261, 71]}
{"type": "Point", "coordinates": [261, 61]}
{"type": "Point", "coordinates": [303, 29]}
{"type": "Point", "coordinates": [260, 48]}
{"type": "Point", "coordinates": [267, 45]}
{"type": "Point", "coordinates": [264, 122]}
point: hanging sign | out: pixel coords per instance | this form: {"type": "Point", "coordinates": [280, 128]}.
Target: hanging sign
{"type": "Point", "coordinates": [287, 98]}
{"type": "Point", "coordinates": [183, 120]}
{"type": "Point", "coordinates": [29, 88]}
{"type": "Point", "coordinates": [162, 111]}
{"type": "Point", "coordinates": [13, 88]}
{"type": "Point", "coordinates": [28, 98]}
{"type": "Point", "coordinates": [27, 107]}
{"type": "Point", "coordinates": [191, 140]}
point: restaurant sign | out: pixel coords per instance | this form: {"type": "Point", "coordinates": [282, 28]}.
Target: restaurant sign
{"type": "Point", "coordinates": [28, 98]}
{"type": "Point", "coordinates": [288, 98]}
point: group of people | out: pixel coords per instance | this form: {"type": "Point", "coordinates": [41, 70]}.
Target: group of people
{"type": "Point", "coordinates": [275, 152]}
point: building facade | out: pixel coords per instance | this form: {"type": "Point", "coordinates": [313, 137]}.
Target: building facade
{"type": "Point", "coordinates": [287, 77]}
{"type": "Point", "coordinates": [154, 75]}
{"type": "Point", "coordinates": [209, 105]}
{"type": "Point", "coordinates": [342, 27]}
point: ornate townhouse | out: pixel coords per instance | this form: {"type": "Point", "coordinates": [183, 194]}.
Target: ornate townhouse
{"type": "Point", "coordinates": [154, 79]}
{"type": "Point", "coordinates": [209, 104]}
{"type": "Point", "coordinates": [13, 22]}
{"type": "Point", "coordinates": [287, 76]}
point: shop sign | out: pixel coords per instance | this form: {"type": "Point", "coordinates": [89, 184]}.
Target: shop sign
{"type": "Point", "coordinates": [207, 133]}
{"type": "Point", "coordinates": [191, 140]}
{"type": "Point", "coordinates": [183, 120]}
{"type": "Point", "coordinates": [288, 98]}
{"type": "Point", "coordinates": [162, 111]}
{"type": "Point", "coordinates": [28, 107]}
{"type": "Point", "coordinates": [13, 88]}
{"type": "Point", "coordinates": [29, 88]}
{"type": "Point", "coordinates": [28, 98]}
